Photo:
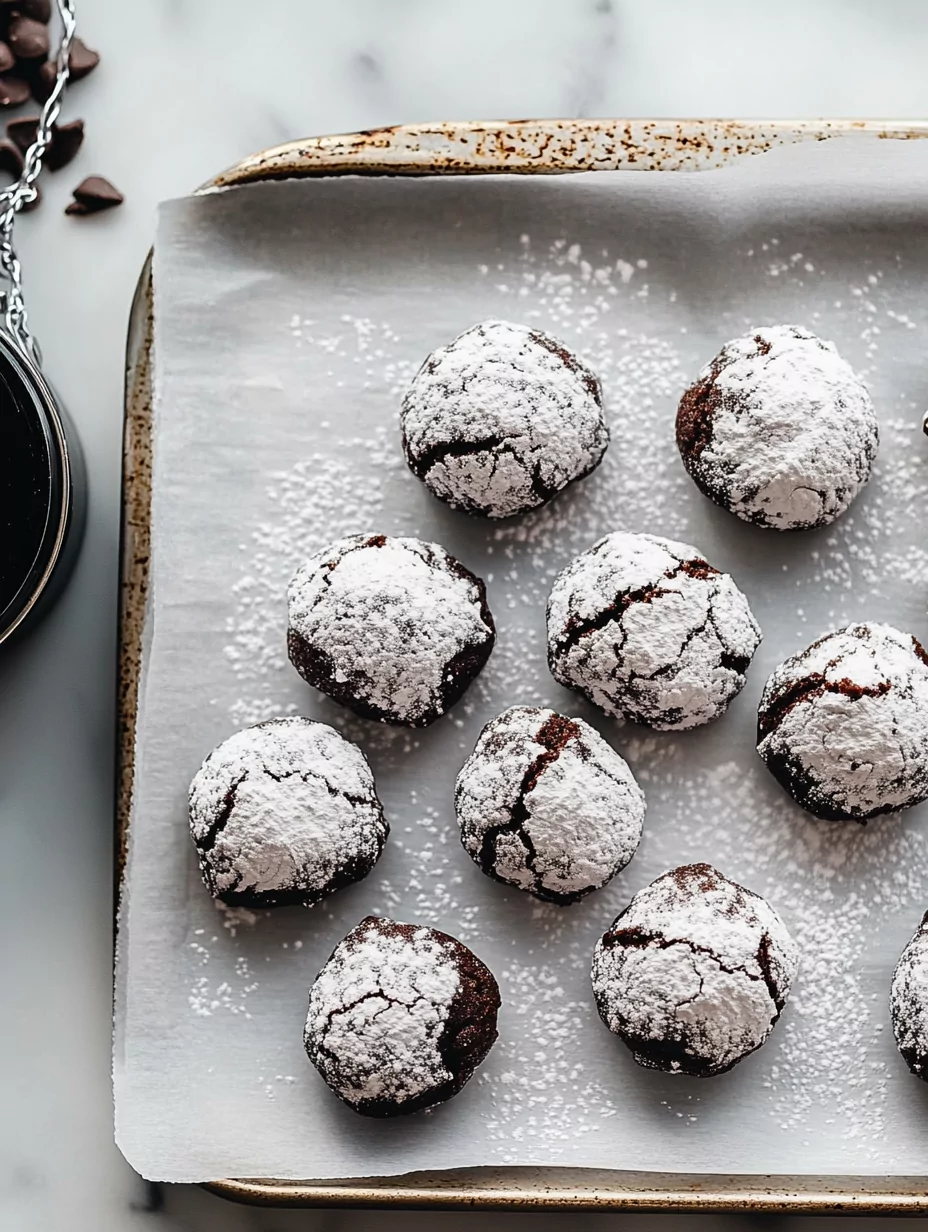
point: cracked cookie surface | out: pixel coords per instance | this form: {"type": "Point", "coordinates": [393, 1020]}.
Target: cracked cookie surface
{"type": "Point", "coordinates": [501, 419]}
{"type": "Point", "coordinates": [649, 631]}
{"type": "Point", "coordinates": [546, 805]}
{"type": "Point", "coordinates": [908, 1002]}
{"type": "Point", "coordinates": [843, 725]}
{"type": "Point", "coordinates": [285, 812]}
{"type": "Point", "coordinates": [694, 973]}
{"type": "Point", "coordinates": [393, 628]}
{"type": "Point", "coordinates": [400, 1017]}
{"type": "Point", "coordinates": [778, 429]}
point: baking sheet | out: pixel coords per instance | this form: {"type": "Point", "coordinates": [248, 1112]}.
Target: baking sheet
{"type": "Point", "coordinates": [288, 317]}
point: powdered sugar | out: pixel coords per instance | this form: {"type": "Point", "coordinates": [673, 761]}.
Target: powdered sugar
{"type": "Point", "coordinates": [649, 631]}
{"type": "Point", "coordinates": [394, 628]}
{"type": "Point", "coordinates": [779, 429]}
{"type": "Point", "coordinates": [824, 1075]}
{"type": "Point", "coordinates": [546, 805]}
{"type": "Point", "coordinates": [285, 812]}
{"type": "Point", "coordinates": [383, 1024]}
{"type": "Point", "coordinates": [694, 973]}
{"type": "Point", "coordinates": [828, 1091]}
{"type": "Point", "coordinates": [844, 724]}
{"type": "Point", "coordinates": [501, 419]}
{"type": "Point", "coordinates": [376, 1014]}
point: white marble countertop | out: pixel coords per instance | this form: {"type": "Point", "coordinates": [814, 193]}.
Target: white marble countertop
{"type": "Point", "coordinates": [186, 87]}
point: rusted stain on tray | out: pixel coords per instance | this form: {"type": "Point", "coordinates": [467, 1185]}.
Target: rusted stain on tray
{"type": "Point", "coordinates": [529, 147]}
{"type": "Point", "coordinates": [547, 147]}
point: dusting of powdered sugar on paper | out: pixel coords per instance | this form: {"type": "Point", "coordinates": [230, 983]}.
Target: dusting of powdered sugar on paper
{"type": "Point", "coordinates": [823, 1060]}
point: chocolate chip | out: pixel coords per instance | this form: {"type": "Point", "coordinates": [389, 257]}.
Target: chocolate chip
{"type": "Point", "coordinates": [22, 130]}
{"type": "Point", "coordinates": [13, 90]}
{"type": "Point", "coordinates": [28, 39]}
{"type": "Point", "coordinates": [43, 80]}
{"type": "Point", "coordinates": [93, 195]}
{"type": "Point", "coordinates": [66, 139]}
{"type": "Point", "coordinates": [11, 159]}
{"type": "Point", "coordinates": [82, 60]}
{"type": "Point", "coordinates": [7, 59]}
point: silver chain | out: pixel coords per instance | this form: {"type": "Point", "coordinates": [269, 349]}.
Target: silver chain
{"type": "Point", "coordinates": [13, 199]}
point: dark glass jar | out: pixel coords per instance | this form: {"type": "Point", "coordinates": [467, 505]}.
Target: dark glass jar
{"type": "Point", "coordinates": [42, 492]}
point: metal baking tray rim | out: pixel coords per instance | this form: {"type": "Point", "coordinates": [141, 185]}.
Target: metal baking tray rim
{"type": "Point", "coordinates": [525, 147]}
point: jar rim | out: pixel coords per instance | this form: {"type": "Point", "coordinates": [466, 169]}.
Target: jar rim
{"type": "Point", "coordinates": [41, 401]}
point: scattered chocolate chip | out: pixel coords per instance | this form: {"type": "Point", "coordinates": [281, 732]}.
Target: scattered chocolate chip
{"type": "Point", "coordinates": [22, 130]}
{"type": "Point", "coordinates": [93, 195]}
{"type": "Point", "coordinates": [66, 139]}
{"type": "Point", "coordinates": [11, 160]}
{"type": "Point", "coordinates": [11, 166]}
{"type": "Point", "coordinates": [7, 59]}
{"type": "Point", "coordinates": [82, 60]}
{"type": "Point", "coordinates": [13, 90]}
{"type": "Point", "coordinates": [43, 79]}
{"type": "Point", "coordinates": [28, 39]}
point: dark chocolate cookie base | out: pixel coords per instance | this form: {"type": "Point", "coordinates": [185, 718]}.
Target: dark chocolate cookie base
{"type": "Point", "coordinates": [315, 665]}
{"type": "Point", "coordinates": [421, 462]}
{"type": "Point", "coordinates": [670, 1055]}
{"type": "Point", "coordinates": [468, 1035]}
{"type": "Point", "coordinates": [350, 873]}
{"type": "Point", "coordinates": [575, 630]}
{"type": "Point", "coordinates": [694, 427]}
{"type": "Point", "coordinates": [317, 669]}
{"type": "Point", "coordinates": [788, 771]}
{"type": "Point", "coordinates": [810, 797]}
{"type": "Point", "coordinates": [553, 735]}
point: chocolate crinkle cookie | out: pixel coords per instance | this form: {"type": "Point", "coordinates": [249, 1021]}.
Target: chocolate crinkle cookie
{"type": "Point", "coordinates": [501, 419]}
{"type": "Point", "coordinates": [694, 973]}
{"type": "Point", "coordinates": [395, 629]}
{"type": "Point", "coordinates": [908, 1002]}
{"type": "Point", "coordinates": [285, 812]}
{"type": "Point", "coordinates": [843, 725]}
{"type": "Point", "coordinates": [778, 429]}
{"type": "Point", "coordinates": [649, 631]}
{"type": "Point", "coordinates": [400, 1017]}
{"type": "Point", "coordinates": [546, 805]}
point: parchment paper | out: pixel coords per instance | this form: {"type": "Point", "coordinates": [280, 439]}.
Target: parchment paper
{"type": "Point", "coordinates": [288, 317]}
